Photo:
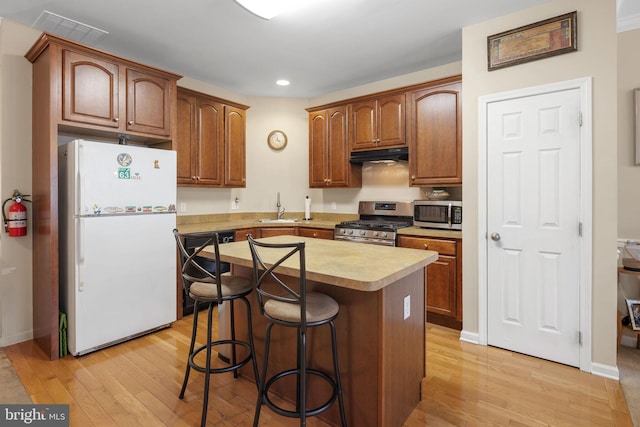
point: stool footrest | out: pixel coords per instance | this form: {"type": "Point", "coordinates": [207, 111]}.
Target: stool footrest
{"type": "Point", "coordinates": [309, 412]}
{"type": "Point", "coordinates": [228, 368]}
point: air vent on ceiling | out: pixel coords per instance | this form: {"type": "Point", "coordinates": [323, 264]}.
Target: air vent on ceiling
{"type": "Point", "coordinates": [68, 28]}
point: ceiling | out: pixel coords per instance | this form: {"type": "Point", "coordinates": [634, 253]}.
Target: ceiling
{"type": "Point", "coordinates": [324, 47]}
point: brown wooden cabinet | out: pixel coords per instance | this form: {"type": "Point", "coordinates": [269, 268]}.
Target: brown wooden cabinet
{"type": "Point", "coordinates": [443, 279]}
{"type": "Point", "coordinates": [278, 231]}
{"type": "Point", "coordinates": [318, 233]}
{"type": "Point", "coordinates": [435, 134]}
{"type": "Point", "coordinates": [81, 91]}
{"type": "Point", "coordinates": [241, 233]}
{"type": "Point", "coordinates": [329, 150]}
{"type": "Point", "coordinates": [378, 123]}
{"type": "Point", "coordinates": [210, 141]}
{"type": "Point", "coordinates": [101, 92]}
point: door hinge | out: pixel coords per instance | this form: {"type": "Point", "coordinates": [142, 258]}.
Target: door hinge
{"type": "Point", "coordinates": [580, 118]}
{"type": "Point", "coordinates": [580, 337]}
{"type": "Point", "coordinates": [580, 229]}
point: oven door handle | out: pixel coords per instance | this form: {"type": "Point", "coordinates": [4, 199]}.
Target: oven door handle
{"type": "Point", "coordinates": [449, 215]}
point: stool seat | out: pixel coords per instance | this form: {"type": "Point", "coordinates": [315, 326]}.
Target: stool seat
{"type": "Point", "coordinates": [231, 285]}
{"type": "Point", "coordinates": [320, 308]}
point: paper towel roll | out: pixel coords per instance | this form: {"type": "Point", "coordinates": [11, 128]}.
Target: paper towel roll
{"type": "Point", "coordinates": [307, 208]}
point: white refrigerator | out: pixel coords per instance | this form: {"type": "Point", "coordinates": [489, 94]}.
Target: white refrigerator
{"type": "Point", "coordinates": [117, 250]}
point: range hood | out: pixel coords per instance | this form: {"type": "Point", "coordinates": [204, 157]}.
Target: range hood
{"type": "Point", "coordinates": [386, 154]}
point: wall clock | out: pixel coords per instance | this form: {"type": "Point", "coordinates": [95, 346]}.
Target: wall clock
{"type": "Point", "coordinates": [277, 140]}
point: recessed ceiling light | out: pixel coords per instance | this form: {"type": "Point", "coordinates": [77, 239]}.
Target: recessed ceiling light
{"type": "Point", "coordinates": [283, 82]}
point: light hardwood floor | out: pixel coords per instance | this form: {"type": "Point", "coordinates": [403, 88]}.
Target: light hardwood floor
{"type": "Point", "coordinates": [137, 384]}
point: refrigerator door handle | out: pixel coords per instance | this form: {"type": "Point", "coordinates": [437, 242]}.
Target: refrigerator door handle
{"type": "Point", "coordinates": [80, 254]}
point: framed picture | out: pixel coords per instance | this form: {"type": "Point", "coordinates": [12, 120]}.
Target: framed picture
{"type": "Point", "coordinates": [636, 104]}
{"type": "Point", "coordinates": [634, 313]}
{"type": "Point", "coordinates": [542, 39]}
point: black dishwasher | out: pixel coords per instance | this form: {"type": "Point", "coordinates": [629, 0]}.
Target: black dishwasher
{"type": "Point", "coordinates": [191, 244]}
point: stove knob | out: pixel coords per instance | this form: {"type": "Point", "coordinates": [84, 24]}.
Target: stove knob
{"type": "Point", "coordinates": [349, 231]}
{"type": "Point", "coordinates": [363, 232]}
{"type": "Point", "coordinates": [384, 234]}
{"type": "Point", "coordinates": [375, 234]}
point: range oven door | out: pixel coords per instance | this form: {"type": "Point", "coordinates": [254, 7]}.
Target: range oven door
{"type": "Point", "coordinates": [367, 240]}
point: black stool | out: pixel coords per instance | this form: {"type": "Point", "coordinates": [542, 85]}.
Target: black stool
{"type": "Point", "coordinates": [284, 306]}
{"type": "Point", "coordinates": [212, 288]}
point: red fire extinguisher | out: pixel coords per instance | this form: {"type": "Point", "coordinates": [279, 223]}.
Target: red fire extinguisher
{"type": "Point", "coordinates": [15, 223]}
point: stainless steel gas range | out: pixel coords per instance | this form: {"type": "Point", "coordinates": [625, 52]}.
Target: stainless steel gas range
{"type": "Point", "coordinates": [378, 223]}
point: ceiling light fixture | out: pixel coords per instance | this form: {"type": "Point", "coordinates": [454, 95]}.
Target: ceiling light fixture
{"type": "Point", "coordinates": [282, 82]}
{"type": "Point", "coordinates": [267, 9]}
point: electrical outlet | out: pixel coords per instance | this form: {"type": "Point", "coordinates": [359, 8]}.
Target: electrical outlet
{"type": "Point", "coordinates": [235, 204]}
{"type": "Point", "coordinates": [334, 206]}
{"type": "Point", "coordinates": [183, 206]}
{"type": "Point", "coordinates": [407, 307]}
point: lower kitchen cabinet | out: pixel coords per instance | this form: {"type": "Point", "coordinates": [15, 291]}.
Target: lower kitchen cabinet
{"type": "Point", "coordinates": [443, 279]}
{"type": "Point", "coordinates": [241, 233]}
{"type": "Point", "coordinates": [278, 231]}
{"type": "Point", "coordinates": [318, 233]}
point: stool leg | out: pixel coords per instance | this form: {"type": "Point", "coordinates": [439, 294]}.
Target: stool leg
{"type": "Point", "coordinates": [207, 372]}
{"type": "Point", "coordinates": [233, 337]}
{"type": "Point", "coordinates": [302, 376]}
{"type": "Point", "coordinates": [336, 368]}
{"type": "Point", "coordinates": [267, 342]}
{"type": "Point", "coordinates": [252, 347]}
{"type": "Point", "coordinates": [193, 342]}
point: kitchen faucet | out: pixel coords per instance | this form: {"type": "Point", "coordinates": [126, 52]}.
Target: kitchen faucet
{"type": "Point", "coordinates": [280, 207]}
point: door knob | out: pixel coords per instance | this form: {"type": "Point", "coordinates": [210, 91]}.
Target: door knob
{"type": "Point", "coordinates": [495, 237]}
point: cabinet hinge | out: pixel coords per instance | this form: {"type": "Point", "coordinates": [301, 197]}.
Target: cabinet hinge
{"type": "Point", "coordinates": [580, 118]}
{"type": "Point", "coordinates": [580, 337]}
{"type": "Point", "coordinates": [580, 229]}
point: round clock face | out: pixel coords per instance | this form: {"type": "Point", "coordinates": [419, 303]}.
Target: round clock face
{"type": "Point", "coordinates": [277, 140]}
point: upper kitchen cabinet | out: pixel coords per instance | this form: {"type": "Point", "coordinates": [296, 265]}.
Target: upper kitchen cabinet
{"type": "Point", "coordinates": [435, 133]}
{"type": "Point", "coordinates": [210, 141]}
{"type": "Point", "coordinates": [329, 150]}
{"type": "Point", "coordinates": [378, 123]}
{"type": "Point", "coordinates": [105, 95]}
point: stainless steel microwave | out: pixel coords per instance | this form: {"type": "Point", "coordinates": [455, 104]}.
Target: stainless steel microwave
{"type": "Point", "coordinates": [442, 214]}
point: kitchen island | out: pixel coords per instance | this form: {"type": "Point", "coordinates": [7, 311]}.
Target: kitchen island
{"type": "Point", "coordinates": [380, 327]}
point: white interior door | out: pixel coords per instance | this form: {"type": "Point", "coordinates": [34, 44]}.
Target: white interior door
{"type": "Point", "coordinates": [533, 225]}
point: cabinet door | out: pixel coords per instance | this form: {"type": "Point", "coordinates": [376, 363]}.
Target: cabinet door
{"type": "Point", "coordinates": [209, 146]}
{"type": "Point", "coordinates": [391, 121]}
{"type": "Point", "coordinates": [436, 136]}
{"type": "Point", "coordinates": [148, 104]}
{"type": "Point", "coordinates": [235, 147]}
{"type": "Point", "coordinates": [317, 233]}
{"type": "Point", "coordinates": [338, 148]}
{"type": "Point", "coordinates": [89, 90]}
{"type": "Point", "coordinates": [318, 149]}
{"type": "Point", "coordinates": [363, 125]}
{"type": "Point", "coordinates": [184, 141]}
{"type": "Point", "coordinates": [441, 296]}
{"type": "Point", "coordinates": [241, 233]}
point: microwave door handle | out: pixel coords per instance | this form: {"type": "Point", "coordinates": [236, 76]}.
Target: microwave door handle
{"type": "Point", "coordinates": [449, 215]}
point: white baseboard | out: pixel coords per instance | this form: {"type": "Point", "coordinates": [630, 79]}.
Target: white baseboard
{"type": "Point", "coordinates": [470, 337]}
{"type": "Point", "coordinates": [605, 371]}
{"type": "Point", "coordinates": [15, 339]}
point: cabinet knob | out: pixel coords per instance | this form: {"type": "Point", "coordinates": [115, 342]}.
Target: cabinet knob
{"type": "Point", "coordinates": [413, 177]}
{"type": "Point", "coordinates": [426, 246]}
{"type": "Point", "coordinates": [193, 177]}
{"type": "Point", "coordinates": [130, 122]}
{"type": "Point", "coordinates": [315, 234]}
{"type": "Point", "coordinates": [115, 119]}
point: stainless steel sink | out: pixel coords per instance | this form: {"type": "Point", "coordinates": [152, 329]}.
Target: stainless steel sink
{"type": "Point", "coordinates": [278, 220]}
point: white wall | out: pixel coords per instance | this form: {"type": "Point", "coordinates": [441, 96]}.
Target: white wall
{"type": "Point", "coordinates": [15, 173]}
{"type": "Point", "coordinates": [596, 57]}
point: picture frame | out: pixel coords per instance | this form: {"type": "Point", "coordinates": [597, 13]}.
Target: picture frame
{"type": "Point", "coordinates": [634, 313]}
{"type": "Point", "coordinates": [636, 113]}
{"type": "Point", "coordinates": [551, 37]}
